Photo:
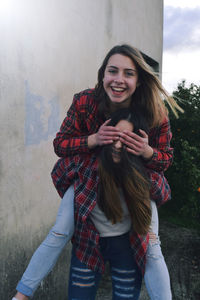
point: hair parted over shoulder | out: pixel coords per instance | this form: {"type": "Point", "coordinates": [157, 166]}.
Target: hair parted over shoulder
{"type": "Point", "coordinates": [128, 174]}
{"type": "Point", "coordinates": [149, 95]}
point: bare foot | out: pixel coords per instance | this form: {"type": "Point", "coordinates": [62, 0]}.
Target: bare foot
{"type": "Point", "coordinates": [20, 296]}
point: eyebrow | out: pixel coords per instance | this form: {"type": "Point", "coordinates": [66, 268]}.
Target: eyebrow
{"type": "Point", "coordinates": [127, 69]}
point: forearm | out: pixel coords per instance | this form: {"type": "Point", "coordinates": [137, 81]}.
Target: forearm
{"type": "Point", "coordinates": [80, 122]}
{"type": "Point", "coordinates": [156, 159]}
{"type": "Point", "coordinates": [160, 191]}
{"type": "Point", "coordinates": [159, 140]}
{"type": "Point", "coordinates": [160, 160]}
{"type": "Point", "coordinates": [63, 173]}
{"type": "Point", "coordinates": [71, 146]}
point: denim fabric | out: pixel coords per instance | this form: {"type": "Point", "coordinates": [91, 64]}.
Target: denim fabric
{"type": "Point", "coordinates": [125, 274]}
{"type": "Point", "coordinates": [46, 255]}
{"type": "Point", "coordinates": [156, 276]}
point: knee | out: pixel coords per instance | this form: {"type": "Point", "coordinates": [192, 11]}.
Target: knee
{"type": "Point", "coordinates": [64, 227]}
{"type": "Point", "coordinates": [154, 250]}
{"type": "Point", "coordinates": [153, 238]}
{"type": "Point", "coordinates": [56, 239]}
{"type": "Point", "coordinates": [61, 232]}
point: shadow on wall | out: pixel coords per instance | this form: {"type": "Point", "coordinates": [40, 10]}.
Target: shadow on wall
{"type": "Point", "coordinates": [53, 287]}
{"type": "Point", "coordinates": [42, 117]}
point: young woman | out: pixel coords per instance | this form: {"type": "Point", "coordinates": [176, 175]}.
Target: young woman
{"type": "Point", "coordinates": [112, 202]}
{"type": "Point", "coordinates": [124, 80]}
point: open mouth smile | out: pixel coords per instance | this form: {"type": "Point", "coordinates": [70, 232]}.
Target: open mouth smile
{"type": "Point", "coordinates": [116, 152]}
{"type": "Point", "coordinates": [118, 89]}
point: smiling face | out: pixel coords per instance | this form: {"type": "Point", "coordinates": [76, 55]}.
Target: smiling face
{"type": "Point", "coordinates": [117, 145]}
{"type": "Point", "coordinates": [120, 79]}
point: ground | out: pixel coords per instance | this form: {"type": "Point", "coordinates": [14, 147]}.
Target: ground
{"type": "Point", "coordinates": [181, 249]}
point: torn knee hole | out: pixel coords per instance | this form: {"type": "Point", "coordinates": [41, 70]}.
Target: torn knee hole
{"type": "Point", "coordinates": [59, 234]}
{"type": "Point", "coordinates": [152, 237]}
{"type": "Point", "coordinates": [83, 284]}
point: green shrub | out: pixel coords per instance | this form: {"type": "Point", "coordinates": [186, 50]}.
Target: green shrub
{"type": "Point", "coordinates": [184, 174]}
{"type": "Point", "coordinates": [184, 179]}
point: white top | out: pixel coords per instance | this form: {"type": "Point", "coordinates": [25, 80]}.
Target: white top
{"type": "Point", "coordinates": [105, 226]}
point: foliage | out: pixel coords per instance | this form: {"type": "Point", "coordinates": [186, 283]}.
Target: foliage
{"type": "Point", "coordinates": [187, 126]}
{"type": "Point", "coordinates": [184, 174]}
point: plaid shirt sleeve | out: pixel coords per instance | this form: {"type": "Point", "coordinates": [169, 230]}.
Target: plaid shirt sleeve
{"type": "Point", "coordinates": [63, 173]}
{"type": "Point", "coordinates": [159, 140]}
{"type": "Point", "coordinates": [78, 124]}
{"type": "Point", "coordinates": [160, 191]}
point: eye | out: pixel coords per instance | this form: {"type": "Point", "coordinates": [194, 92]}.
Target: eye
{"type": "Point", "coordinates": [111, 71]}
{"type": "Point", "coordinates": [129, 74]}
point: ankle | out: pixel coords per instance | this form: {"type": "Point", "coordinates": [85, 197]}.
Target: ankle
{"type": "Point", "coordinates": [20, 296]}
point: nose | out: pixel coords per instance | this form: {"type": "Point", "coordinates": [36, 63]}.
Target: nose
{"type": "Point", "coordinates": [119, 78]}
{"type": "Point", "coordinates": [118, 144]}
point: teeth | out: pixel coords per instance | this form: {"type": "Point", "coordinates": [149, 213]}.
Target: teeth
{"type": "Point", "coordinates": [118, 89]}
{"type": "Point", "coordinates": [116, 152]}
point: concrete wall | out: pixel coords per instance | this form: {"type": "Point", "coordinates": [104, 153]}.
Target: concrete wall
{"type": "Point", "coordinates": [49, 50]}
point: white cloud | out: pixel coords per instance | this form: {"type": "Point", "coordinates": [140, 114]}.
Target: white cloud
{"type": "Point", "coordinates": [181, 43]}
{"type": "Point", "coordinates": [181, 28]}
{"type": "Point", "coordinates": [182, 3]}
{"type": "Point", "coordinates": [179, 66]}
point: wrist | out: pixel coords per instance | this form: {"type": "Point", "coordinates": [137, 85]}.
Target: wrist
{"type": "Point", "coordinates": [92, 141]}
{"type": "Point", "coordinates": [147, 155]}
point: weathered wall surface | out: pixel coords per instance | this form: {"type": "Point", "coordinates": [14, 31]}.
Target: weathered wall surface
{"type": "Point", "coordinates": [50, 50]}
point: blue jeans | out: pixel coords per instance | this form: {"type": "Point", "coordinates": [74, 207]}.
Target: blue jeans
{"type": "Point", "coordinates": [48, 252]}
{"type": "Point", "coordinates": [125, 274]}
{"type": "Point", "coordinates": [156, 273]}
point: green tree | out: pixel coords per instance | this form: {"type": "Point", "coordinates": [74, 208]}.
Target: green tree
{"type": "Point", "coordinates": [187, 127]}
{"type": "Point", "coordinates": [184, 174]}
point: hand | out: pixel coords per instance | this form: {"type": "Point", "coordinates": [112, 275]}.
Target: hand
{"type": "Point", "coordinates": [104, 136]}
{"type": "Point", "coordinates": [137, 145]}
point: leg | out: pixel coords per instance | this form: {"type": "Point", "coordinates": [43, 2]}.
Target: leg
{"type": "Point", "coordinates": [125, 274]}
{"type": "Point", "coordinates": [156, 276]}
{"type": "Point", "coordinates": [83, 282]}
{"type": "Point", "coordinates": [48, 252]}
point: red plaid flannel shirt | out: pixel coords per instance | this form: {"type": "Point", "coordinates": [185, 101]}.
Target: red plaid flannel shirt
{"type": "Point", "coordinates": [81, 121]}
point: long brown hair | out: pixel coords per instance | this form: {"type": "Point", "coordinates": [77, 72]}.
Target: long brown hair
{"type": "Point", "coordinates": [129, 175]}
{"type": "Point", "coordinates": [149, 95]}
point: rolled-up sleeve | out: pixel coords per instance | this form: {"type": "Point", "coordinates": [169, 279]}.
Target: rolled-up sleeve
{"type": "Point", "coordinates": [159, 140]}
{"type": "Point", "coordinates": [68, 140]}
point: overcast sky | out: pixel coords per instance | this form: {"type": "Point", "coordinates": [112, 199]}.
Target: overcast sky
{"type": "Point", "coordinates": [181, 51]}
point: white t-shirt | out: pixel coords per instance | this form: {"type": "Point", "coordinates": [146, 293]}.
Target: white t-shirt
{"type": "Point", "coordinates": [105, 227]}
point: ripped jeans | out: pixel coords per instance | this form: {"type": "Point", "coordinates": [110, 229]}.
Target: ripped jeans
{"type": "Point", "coordinates": [46, 255]}
{"type": "Point", "coordinates": [43, 260]}
{"type": "Point", "coordinates": [125, 274]}
{"type": "Point", "coordinates": [156, 275]}
{"type": "Point", "coordinates": [83, 282]}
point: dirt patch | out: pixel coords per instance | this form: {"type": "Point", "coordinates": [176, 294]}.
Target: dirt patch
{"type": "Point", "coordinates": [181, 248]}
